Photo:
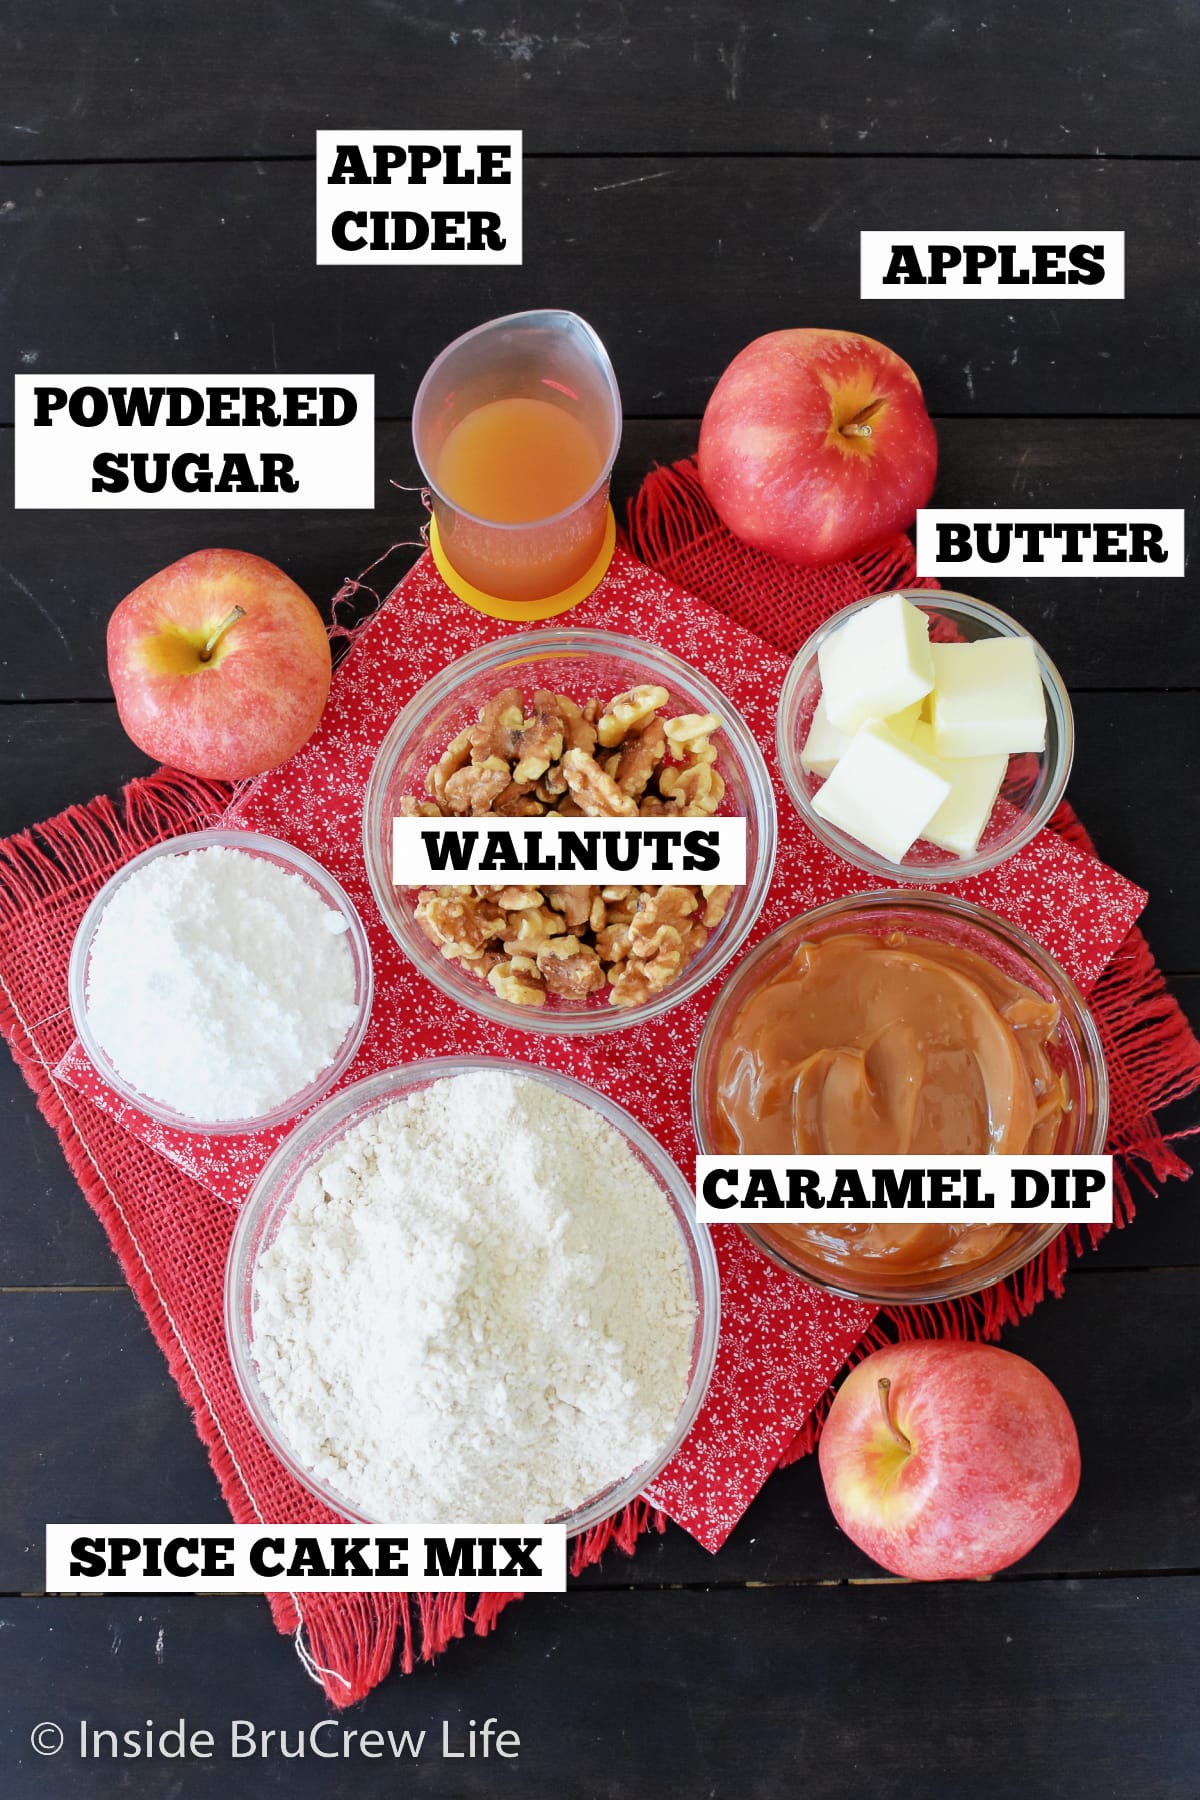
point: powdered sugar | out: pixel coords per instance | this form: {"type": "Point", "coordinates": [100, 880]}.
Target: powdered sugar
{"type": "Point", "coordinates": [476, 1307]}
{"type": "Point", "coordinates": [219, 984]}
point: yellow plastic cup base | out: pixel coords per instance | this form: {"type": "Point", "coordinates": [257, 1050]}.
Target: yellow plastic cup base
{"type": "Point", "coordinates": [549, 608]}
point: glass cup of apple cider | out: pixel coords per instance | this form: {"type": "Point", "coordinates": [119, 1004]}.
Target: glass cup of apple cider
{"type": "Point", "coordinates": [516, 427]}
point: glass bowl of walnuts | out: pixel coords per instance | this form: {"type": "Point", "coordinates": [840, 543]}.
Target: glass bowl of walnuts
{"type": "Point", "coordinates": [575, 724]}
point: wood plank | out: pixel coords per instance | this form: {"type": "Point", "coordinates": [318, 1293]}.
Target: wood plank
{"type": "Point", "coordinates": [61, 574]}
{"type": "Point", "coordinates": [53, 756]}
{"type": "Point", "coordinates": [1040, 1689]}
{"type": "Point", "coordinates": [96, 1431]}
{"type": "Point", "coordinates": [71, 1453]}
{"type": "Point", "coordinates": [51, 1238]}
{"type": "Point", "coordinates": [1134, 784]}
{"type": "Point", "coordinates": [193, 267]}
{"type": "Point", "coordinates": [151, 80]}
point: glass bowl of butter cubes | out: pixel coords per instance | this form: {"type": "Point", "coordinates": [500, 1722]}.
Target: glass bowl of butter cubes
{"type": "Point", "coordinates": [923, 735]}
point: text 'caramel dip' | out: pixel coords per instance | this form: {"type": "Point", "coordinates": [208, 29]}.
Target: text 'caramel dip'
{"type": "Point", "coordinates": [890, 1046]}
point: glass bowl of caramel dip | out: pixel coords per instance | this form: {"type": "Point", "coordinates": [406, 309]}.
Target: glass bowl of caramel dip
{"type": "Point", "coordinates": [900, 1024]}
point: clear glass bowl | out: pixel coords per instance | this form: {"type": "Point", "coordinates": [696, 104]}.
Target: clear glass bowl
{"type": "Point", "coordinates": [579, 664]}
{"type": "Point", "coordinates": [948, 920]}
{"type": "Point", "coordinates": [276, 1186]}
{"type": "Point", "coordinates": [284, 856]}
{"type": "Point", "coordinates": [1032, 788]}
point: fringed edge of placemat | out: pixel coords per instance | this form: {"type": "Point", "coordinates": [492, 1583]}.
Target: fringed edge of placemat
{"type": "Point", "coordinates": [49, 859]}
{"type": "Point", "coordinates": [671, 516]}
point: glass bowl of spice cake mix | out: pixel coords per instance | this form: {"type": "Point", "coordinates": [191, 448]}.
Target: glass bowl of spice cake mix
{"type": "Point", "coordinates": [472, 1289]}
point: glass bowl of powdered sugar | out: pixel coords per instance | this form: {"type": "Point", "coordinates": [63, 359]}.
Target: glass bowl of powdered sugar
{"type": "Point", "coordinates": [472, 1289]}
{"type": "Point", "coordinates": [221, 981]}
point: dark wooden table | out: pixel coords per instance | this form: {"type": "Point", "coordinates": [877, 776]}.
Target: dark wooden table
{"type": "Point", "coordinates": [696, 174]}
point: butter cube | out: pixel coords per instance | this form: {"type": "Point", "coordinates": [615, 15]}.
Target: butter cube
{"type": "Point", "coordinates": [824, 746]}
{"type": "Point", "coordinates": [975, 782]}
{"type": "Point", "coordinates": [876, 664]}
{"type": "Point", "coordinates": [987, 698]}
{"type": "Point", "coordinates": [904, 723]}
{"type": "Point", "coordinates": [884, 791]}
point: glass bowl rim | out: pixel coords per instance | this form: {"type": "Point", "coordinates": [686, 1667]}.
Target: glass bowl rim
{"type": "Point", "coordinates": [255, 843]}
{"type": "Point", "coordinates": [967, 912]}
{"type": "Point", "coordinates": [859, 856]}
{"type": "Point", "coordinates": [370, 1094]}
{"type": "Point", "coordinates": [568, 641]}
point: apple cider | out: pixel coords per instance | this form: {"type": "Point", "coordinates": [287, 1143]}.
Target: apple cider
{"type": "Point", "coordinates": [516, 425]}
{"type": "Point", "coordinates": [516, 460]}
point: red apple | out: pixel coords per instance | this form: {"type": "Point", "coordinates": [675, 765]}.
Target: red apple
{"type": "Point", "coordinates": [220, 665]}
{"type": "Point", "coordinates": [948, 1459]}
{"type": "Point", "coordinates": [816, 445]}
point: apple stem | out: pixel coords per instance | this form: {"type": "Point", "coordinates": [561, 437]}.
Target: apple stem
{"type": "Point", "coordinates": [885, 1407]}
{"type": "Point", "coordinates": [858, 426]}
{"type": "Point", "coordinates": [231, 618]}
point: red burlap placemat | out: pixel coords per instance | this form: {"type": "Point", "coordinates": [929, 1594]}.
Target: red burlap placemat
{"type": "Point", "coordinates": [166, 1225]}
{"type": "Point", "coordinates": [782, 1340]}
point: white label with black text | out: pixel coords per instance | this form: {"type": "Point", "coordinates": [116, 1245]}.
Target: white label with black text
{"type": "Point", "coordinates": [194, 442]}
{"type": "Point", "coordinates": [319, 1559]}
{"type": "Point", "coordinates": [991, 265]}
{"type": "Point", "coordinates": [906, 1190]}
{"type": "Point", "coordinates": [1065, 541]}
{"type": "Point", "coordinates": [451, 197]}
{"type": "Point", "coordinates": [569, 852]}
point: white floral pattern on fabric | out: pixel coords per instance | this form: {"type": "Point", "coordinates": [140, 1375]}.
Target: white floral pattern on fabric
{"type": "Point", "coordinates": [782, 1341]}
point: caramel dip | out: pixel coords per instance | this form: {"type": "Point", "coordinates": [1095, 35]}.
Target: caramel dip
{"type": "Point", "coordinates": [878, 1046]}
